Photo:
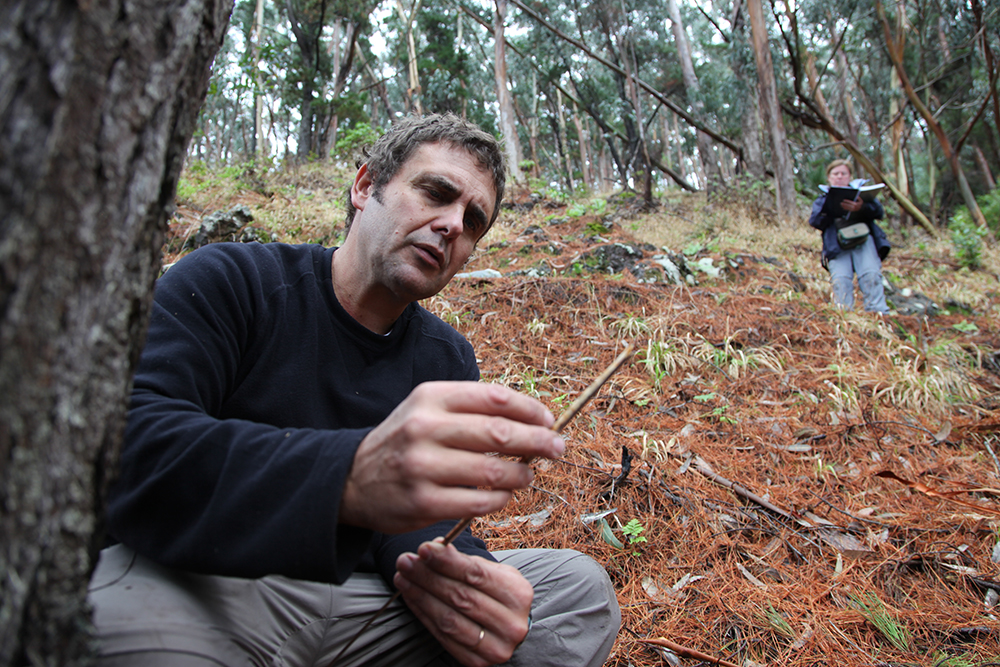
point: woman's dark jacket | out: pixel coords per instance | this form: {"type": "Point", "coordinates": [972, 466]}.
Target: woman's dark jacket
{"type": "Point", "coordinates": [869, 213]}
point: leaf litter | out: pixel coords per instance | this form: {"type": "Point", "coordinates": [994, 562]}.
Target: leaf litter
{"type": "Point", "coordinates": [815, 487]}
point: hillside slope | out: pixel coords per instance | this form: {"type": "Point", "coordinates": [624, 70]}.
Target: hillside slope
{"type": "Point", "coordinates": [803, 486]}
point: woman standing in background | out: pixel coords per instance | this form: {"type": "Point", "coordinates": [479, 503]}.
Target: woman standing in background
{"type": "Point", "coordinates": [865, 259]}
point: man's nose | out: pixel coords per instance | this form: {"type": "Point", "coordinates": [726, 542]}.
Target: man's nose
{"type": "Point", "coordinates": [451, 221]}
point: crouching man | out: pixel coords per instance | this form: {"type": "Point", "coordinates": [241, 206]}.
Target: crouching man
{"type": "Point", "coordinates": [301, 431]}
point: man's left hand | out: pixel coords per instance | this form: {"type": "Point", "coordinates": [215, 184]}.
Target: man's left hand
{"type": "Point", "coordinates": [477, 609]}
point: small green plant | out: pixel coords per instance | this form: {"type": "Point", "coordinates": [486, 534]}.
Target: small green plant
{"type": "Point", "coordinates": [965, 327]}
{"type": "Point", "coordinates": [778, 622]}
{"type": "Point", "coordinates": [633, 531]}
{"type": "Point", "coordinates": [720, 414]}
{"type": "Point", "coordinates": [597, 228]}
{"type": "Point", "coordinates": [873, 609]}
{"type": "Point", "coordinates": [530, 383]}
{"type": "Point", "coordinates": [967, 239]}
{"type": "Point", "coordinates": [660, 360]}
{"type": "Point", "coordinates": [576, 210]}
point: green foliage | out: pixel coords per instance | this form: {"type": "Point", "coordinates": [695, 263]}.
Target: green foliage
{"type": "Point", "coordinates": [633, 531]}
{"type": "Point", "coordinates": [354, 138]}
{"type": "Point", "coordinates": [873, 609]}
{"type": "Point", "coordinates": [966, 239]}
{"type": "Point", "coordinates": [965, 327]}
{"type": "Point", "coordinates": [720, 414]}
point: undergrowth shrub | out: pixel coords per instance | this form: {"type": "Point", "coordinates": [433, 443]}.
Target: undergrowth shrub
{"type": "Point", "coordinates": [967, 236]}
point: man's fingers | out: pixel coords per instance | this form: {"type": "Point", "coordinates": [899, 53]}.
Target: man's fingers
{"type": "Point", "coordinates": [475, 607]}
{"type": "Point", "coordinates": [486, 399]}
{"type": "Point", "coordinates": [480, 433]}
{"type": "Point", "coordinates": [498, 582]}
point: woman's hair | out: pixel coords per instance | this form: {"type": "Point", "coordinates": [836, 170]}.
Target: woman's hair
{"type": "Point", "coordinates": [837, 163]}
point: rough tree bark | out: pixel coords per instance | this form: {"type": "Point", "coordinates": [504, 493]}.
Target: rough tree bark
{"type": "Point", "coordinates": [98, 101]}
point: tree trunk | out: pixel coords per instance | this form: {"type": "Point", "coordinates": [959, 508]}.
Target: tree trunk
{"type": "Point", "coordinates": [780, 156]}
{"type": "Point", "coordinates": [507, 126]}
{"type": "Point", "coordinates": [895, 112]}
{"type": "Point", "coordinates": [97, 103]}
{"type": "Point", "coordinates": [950, 155]}
{"type": "Point", "coordinates": [259, 143]}
{"type": "Point", "coordinates": [413, 75]}
{"type": "Point", "coordinates": [706, 150]}
{"type": "Point", "coordinates": [583, 135]}
{"type": "Point", "coordinates": [567, 163]}
{"type": "Point", "coordinates": [985, 167]}
{"type": "Point", "coordinates": [307, 29]}
{"type": "Point", "coordinates": [753, 154]}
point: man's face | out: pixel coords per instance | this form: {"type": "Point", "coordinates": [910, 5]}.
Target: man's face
{"type": "Point", "coordinates": [425, 223]}
{"type": "Point", "coordinates": [840, 176]}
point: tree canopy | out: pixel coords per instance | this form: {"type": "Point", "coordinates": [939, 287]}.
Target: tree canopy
{"type": "Point", "coordinates": [640, 96]}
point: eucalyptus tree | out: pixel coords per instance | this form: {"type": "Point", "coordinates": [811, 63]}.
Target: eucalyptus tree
{"type": "Point", "coordinates": [324, 67]}
{"type": "Point", "coordinates": [706, 150]}
{"type": "Point", "coordinates": [781, 158]}
{"type": "Point", "coordinates": [896, 54]}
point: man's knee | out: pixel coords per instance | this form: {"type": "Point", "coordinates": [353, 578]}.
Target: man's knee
{"type": "Point", "coordinates": [575, 612]}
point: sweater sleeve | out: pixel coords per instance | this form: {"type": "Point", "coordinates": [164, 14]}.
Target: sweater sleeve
{"type": "Point", "coordinates": [817, 218]}
{"type": "Point", "coordinates": [206, 493]}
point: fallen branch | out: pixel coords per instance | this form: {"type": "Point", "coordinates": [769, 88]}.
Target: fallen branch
{"type": "Point", "coordinates": [685, 652]}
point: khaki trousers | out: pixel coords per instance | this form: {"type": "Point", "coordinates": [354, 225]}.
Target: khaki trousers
{"type": "Point", "coordinates": [154, 616]}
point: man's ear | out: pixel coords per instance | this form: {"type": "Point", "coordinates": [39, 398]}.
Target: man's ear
{"type": "Point", "coordinates": [361, 190]}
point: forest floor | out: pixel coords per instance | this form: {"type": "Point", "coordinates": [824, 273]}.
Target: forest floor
{"type": "Point", "coordinates": [768, 480]}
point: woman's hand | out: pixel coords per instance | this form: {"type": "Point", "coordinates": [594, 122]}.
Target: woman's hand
{"type": "Point", "coordinates": [852, 205]}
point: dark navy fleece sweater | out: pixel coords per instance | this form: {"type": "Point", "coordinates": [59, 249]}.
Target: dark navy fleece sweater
{"type": "Point", "coordinates": [253, 392]}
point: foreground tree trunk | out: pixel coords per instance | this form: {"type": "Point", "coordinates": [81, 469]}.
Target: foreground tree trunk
{"type": "Point", "coordinates": [97, 103]}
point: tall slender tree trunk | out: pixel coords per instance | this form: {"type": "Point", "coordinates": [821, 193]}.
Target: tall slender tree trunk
{"type": "Point", "coordinates": [567, 163]}
{"type": "Point", "coordinates": [533, 127]}
{"type": "Point", "coordinates": [897, 129]}
{"type": "Point", "coordinates": [583, 136]}
{"type": "Point", "coordinates": [706, 150]}
{"type": "Point", "coordinates": [98, 101]}
{"type": "Point", "coordinates": [412, 71]}
{"type": "Point", "coordinates": [781, 158]}
{"type": "Point", "coordinates": [259, 139]}
{"type": "Point", "coordinates": [507, 125]}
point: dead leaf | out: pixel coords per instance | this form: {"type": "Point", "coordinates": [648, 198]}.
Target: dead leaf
{"type": "Point", "coordinates": [943, 434]}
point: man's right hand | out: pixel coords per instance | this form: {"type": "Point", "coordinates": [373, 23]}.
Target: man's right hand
{"type": "Point", "coordinates": [428, 460]}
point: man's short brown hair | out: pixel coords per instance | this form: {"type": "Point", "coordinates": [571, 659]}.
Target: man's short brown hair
{"type": "Point", "coordinates": [391, 151]}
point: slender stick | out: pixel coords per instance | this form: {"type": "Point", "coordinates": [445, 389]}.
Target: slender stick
{"type": "Point", "coordinates": [565, 418]}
